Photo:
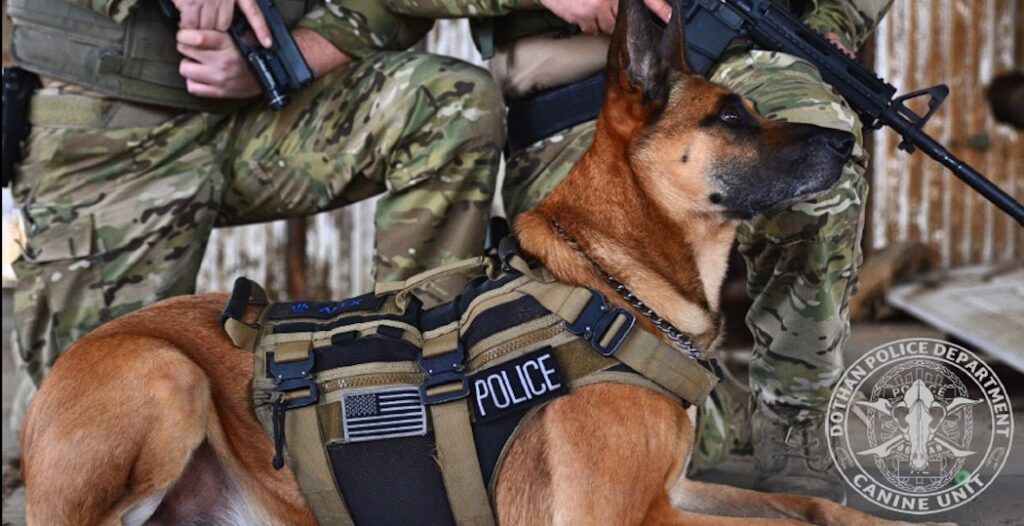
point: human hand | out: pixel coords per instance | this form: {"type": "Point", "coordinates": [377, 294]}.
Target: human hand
{"type": "Point", "coordinates": [598, 16]}
{"type": "Point", "coordinates": [217, 15]}
{"type": "Point", "coordinates": [591, 16]}
{"type": "Point", "coordinates": [838, 42]}
{"type": "Point", "coordinates": [213, 67]}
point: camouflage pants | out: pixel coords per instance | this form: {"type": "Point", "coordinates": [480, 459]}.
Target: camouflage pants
{"type": "Point", "coordinates": [801, 262]}
{"type": "Point", "coordinates": [118, 217]}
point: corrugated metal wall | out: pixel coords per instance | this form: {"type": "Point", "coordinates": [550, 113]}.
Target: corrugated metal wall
{"type": "Point", "coordinates": [963, 43]}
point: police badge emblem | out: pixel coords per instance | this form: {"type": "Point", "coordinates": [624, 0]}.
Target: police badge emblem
{"type": "Point", "coordinates": [920, 426]}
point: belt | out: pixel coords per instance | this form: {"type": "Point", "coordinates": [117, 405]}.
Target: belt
{"type": "Point", "coordinates": [544, 114]}
{"type": "Point", "coordinates": [88, 112]}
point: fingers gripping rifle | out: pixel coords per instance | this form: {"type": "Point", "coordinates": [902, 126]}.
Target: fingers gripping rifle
{"type": "Point", "coordinates": [281, 69]}
{"type": "Point", "coordinates": [711, 25]}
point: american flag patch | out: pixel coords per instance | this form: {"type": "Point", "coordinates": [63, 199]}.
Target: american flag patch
{"type": "Point", "coordinates": [383, 413]}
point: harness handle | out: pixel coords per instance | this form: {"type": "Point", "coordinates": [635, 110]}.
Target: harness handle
{"type": "Point", "coordinates": [402, 289]}
{"type": "Point", "coordinates": [245, 293]}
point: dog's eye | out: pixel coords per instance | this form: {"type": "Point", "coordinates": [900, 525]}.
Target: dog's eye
{"type": "Point", "coordinates": [729, 115]}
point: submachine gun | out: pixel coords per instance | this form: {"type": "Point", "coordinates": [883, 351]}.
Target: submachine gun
{"type": "Point", "coordinates": [712, 25]}
{"type": "Point", "coordinates": [281, 69]}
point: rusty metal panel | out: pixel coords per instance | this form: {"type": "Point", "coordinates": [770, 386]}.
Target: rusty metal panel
{"type": "Point", "coordinates": [963, 43]}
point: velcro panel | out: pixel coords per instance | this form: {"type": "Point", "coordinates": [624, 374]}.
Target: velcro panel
{"type": "Point", "coordinates": [394, 481]}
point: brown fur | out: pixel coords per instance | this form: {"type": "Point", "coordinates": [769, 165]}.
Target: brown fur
{"type": "Point", "coordinates": [155, 407]}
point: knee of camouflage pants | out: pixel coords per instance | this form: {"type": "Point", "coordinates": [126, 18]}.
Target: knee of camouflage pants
{"type": "Point", "coordinates": [423, 130]}
{"type": "Point", "coordinates": [442, 171]}
{"type": "Point", "coordinates": [802, 262]}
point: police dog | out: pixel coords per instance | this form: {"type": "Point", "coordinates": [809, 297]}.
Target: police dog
{"type": "Point", "coordinates": [149, 419]}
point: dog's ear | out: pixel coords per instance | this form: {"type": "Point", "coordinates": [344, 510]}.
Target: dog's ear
{"type": "Point", "coordinates": [673, 42]}
{"type": "Point", "coordinates": [643, 53]}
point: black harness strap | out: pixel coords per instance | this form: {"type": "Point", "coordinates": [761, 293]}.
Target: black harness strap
{"type": "Point", "coordinates": [542, 115]}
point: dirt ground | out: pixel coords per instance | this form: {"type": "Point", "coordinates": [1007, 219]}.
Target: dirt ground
{"type": "Point", "coordinates": [998, 505]}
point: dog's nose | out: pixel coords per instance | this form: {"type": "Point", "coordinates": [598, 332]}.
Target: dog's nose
{"type": "Point", "coordinates": [839, 142]}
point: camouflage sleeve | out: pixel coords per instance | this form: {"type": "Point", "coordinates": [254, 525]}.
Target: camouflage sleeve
{"type": "Point", "coordinates": [358, 27]}
{"type": "Point", "coordinates": [116, 9]}
{"type": "Point", "coordinates": [460, 8]}
{"type": "Point", "coordinates": [852, 20]}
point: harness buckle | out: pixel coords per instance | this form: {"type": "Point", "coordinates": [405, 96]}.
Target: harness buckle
{"type": "Point", "coordinates": [294, 376]}
{"type": "Point", "coordinates": [595, 321]}
{"type": "Point", "coordinates": [443, 370]}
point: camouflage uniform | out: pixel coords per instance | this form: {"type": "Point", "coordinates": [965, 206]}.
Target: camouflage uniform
{"type": "Point", "coordinates": [802, 262]}
{"type": "Point", "coordinates": [119, 209]}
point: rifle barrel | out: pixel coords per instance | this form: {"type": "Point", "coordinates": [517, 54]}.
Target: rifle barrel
{"type": "Point", "coordinates": [961, 169]}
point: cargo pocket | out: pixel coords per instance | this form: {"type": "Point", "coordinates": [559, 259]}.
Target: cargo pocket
{"type": "Point", "coordinates": [62, 240]}
{"type": "Point", "coordinates": [60, 263]}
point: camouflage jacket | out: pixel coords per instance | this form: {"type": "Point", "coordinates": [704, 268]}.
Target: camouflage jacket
{"type": "Point", "coordinates": [371, 23]}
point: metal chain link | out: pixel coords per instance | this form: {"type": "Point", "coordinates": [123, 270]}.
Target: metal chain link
{"type": "Point", "coordinates": [676, 336]}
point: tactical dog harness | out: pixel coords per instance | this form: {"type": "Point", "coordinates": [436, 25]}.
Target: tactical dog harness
{"type": "Point", "coordinates": [392, 413]}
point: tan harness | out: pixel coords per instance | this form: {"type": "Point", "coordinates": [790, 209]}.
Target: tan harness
{"type": "Point", "coordinates": [513, 340]}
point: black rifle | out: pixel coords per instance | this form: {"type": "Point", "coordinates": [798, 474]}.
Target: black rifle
{"type": "Point", "coordinates": [18, 85]}
{"type": "Point", "coordinates": [712, 25]}
{"type": "Point", "coordinates": [281, 69]}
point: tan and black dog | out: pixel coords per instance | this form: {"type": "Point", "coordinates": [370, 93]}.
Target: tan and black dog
{"type": "Point", "coordinates": [149, 419]}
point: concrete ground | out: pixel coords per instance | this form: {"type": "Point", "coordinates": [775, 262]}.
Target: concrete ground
{"type": "Point", "coordinates": [998, 505]}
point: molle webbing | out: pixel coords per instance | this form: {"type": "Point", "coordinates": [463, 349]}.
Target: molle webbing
{"type": "Point", "coordinates": [379, 378]}
{"type": "Point", "coordinates": [135, 60]}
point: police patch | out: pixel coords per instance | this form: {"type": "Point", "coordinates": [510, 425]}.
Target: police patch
{"type": "Point", "coordinates": [383, 413]}
{"type": "Point", "coordinates": [516, 385]}
{"type": "Point", "coordinates": [323, 309]}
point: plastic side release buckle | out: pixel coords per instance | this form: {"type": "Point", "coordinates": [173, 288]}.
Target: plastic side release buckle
{"type": "Point", "coordinates": [595, 321]}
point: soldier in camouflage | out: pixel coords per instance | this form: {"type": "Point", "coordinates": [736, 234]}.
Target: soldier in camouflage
{"type": "Point", "coordinates": [126, 172]}
{"type": "Point", "coordinates": [802, 262]}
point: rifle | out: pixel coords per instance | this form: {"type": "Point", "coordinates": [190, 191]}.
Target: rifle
{"type": "Point", "coordinates": [712, 25]}
{"type": "Point", "coordinates": [281, 69]}
{"type": "Point", "coordinates": [18, 86]}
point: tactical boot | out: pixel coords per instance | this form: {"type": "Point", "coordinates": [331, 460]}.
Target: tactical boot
{"type": "Point", "coordinates": [793, 457]}
{"type": "Point", "coordinates": [723, 425]}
